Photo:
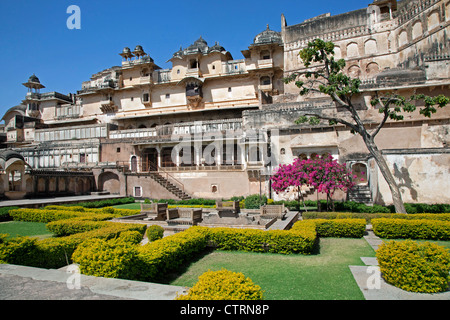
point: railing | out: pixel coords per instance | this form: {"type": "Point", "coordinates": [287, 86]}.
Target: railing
{"type": "Point", "coordinates": [163, 75]}
{"type": "Point", "coordinates": [150, 167]}
{"type": "Point", "coordinates": [233, 66]}
{"type": "Point", "coordinates": [185, 128]}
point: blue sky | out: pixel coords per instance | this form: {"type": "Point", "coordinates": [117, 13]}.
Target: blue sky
{"type": "Point", "coordinates": [34, 37]}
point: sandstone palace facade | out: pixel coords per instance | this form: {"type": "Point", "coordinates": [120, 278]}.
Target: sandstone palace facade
{"type": "Point", "coordinates": [215, 126]}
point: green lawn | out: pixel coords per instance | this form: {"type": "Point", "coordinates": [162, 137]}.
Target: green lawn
{"type": "Point", "coordinates": [324, 276]}
{"type": "Point", "coordinates": [19, 228]}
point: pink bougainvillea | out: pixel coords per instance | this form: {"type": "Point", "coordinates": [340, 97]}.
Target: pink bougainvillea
{"type": "Point", "coordinates": [325, 174]}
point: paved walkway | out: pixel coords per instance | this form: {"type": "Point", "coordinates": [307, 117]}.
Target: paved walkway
{"type": "Point", "coordinates": [374, 287]}
{"type": "Point", "coordinates": [28, 283]}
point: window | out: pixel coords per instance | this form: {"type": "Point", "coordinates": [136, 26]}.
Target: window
{"type": "Point", "coordinates": [229, 89]}
{"type": "Point", "coordinates": [132, 98]}
{"type": "Point", "coordinates": [138, 192]}
{"type": "Point", "coordinates": [145, 97]}
{"type": "Point", "coordinates": [265, 55]}
{"type": "Point", "coordinates": [118, 150]}
{"type": "Point", "coordinates": [193, 64]}
{"type": "Point", "coordinates": [265, 80]}
{"type": "Point", "coordinates": [167, 96]}
{"type": "Point", "coordinates": [178, 71]}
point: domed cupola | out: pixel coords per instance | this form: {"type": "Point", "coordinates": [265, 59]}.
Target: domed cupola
{"type": "Point", "coordinates": [267, 37]}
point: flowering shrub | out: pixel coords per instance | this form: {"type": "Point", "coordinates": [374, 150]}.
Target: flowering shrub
{"type": "Point", "coordinates": [223, 285]}
{"type": "Point", "coordinates": [323, 173]}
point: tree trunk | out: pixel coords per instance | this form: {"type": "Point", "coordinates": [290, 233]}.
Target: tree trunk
{"type": "Point", "coordinates": [386, 172]}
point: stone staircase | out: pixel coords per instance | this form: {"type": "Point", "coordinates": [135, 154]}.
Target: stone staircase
{"type": "Point", "coordinates": [360, 193]}
{"type": "Point", "coordinates": [169, 186]}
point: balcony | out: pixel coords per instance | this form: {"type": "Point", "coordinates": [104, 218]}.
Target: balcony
{"type": "Point", "coordinates": [265, 63]}
{"type": "Point", "coordinates": [233, 66]}
{"type": "Point", "coordinates": [146, 80]}
{"type": "Point", "coordinates": [108, 106]}
{"type": "Point", "coordinates": [165, 132]}
{"type": "Point", "coordinates": [163, 76]}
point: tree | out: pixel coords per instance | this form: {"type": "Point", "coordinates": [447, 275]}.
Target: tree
{"type": "Point", "coordinates": [325, 174]}
{"type": "Point", "coordinates": [326, 77]}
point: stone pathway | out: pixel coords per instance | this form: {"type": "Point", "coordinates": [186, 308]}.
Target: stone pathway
{"type": "Point", "coordinates": [374, 287]}
{"type": "Point", "coordinates": [28, 283]}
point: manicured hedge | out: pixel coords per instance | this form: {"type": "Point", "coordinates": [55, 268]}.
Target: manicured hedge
{"type": "Point", "coordinates": [340, 228]}
{"type": "Point", "coordinates": [370, 216]}
{"type": "Point", "coordinates": [72, 226]}
{"type": "Point", "coordinates": [145, 263]}
{"type": "Point", "coordinates": [223, 285]}
{"type": "Point", "coordinates": [411, 229]}
{"type": "Point", "coordinates": [300, 239]}
{"type": "Point", "coordinates": [415, 267]}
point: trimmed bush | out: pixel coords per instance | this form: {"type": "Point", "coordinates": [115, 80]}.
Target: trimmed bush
{"type": "Point", "coordinates": [223, 285]}
{"type": "Point", "coordinates": [106, 258]}
{"type": "Point", "coordinates": [415, 267]}
{"type": "Point", "coordinates": [340, 228]}
{"type": "Point", "coordinates": [161, 256]}
{"type": "Point", "coordinates": [411, 229]}
{"type": "Point", "coordinates": [370, 216]}
{"type": "Point", "coordinates": [300, 239]}
{"type": "Point", "coordinates": [155, 232]}
{"type": "Point", "coordinates": [54, 253]}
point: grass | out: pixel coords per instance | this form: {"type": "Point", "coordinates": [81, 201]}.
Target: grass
{"type": "Point", "coordinates": [324, 276]}
{"type": "Point", "coordinates": [30, 229]}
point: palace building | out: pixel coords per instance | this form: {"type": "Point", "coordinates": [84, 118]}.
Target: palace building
{"type": "Point", "coordinates": [216, 126]}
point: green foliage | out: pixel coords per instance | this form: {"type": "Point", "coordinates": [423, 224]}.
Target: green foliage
{"type": "Point", "coordinates": [223, 285]}
{"type": "Point", "coordinates": [411, 229]}
{"type": "Point", "coordinates": [155, 232]}
{"type": "Point", "coordinates": [106, 258]}
{"type": "Point", "coordinates": [300, 239]}
{"type": "Point", "coordinates": [4, 213]}
{"type": "Point", "coordinates": [340, 228]}
{"type": "Point", "coordinates": [254, 201]}
{"type": "Point", "coordinates": [415, 267]}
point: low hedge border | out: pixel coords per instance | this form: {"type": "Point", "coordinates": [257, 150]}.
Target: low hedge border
{"type": "Point", "coordinates": [411, 229]}
{"type": "Point", "coordinates": [300, 239]}
{"type": "Point", "coordinates": [340, 228]}
{"type": "Point", "coordinates": [370, 216]}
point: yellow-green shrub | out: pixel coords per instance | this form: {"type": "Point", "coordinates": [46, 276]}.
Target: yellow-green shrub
{"type": "Point", "coordinates": [223, 285]}
{"type": "Point", "coordinates": [340, 228]}
{"type": "Point", "coordinates": [300, 239]}
{"type": "Point", "coordinates": [415, 267]}
{"type": "Point", "coordinates": [147, 262]}
{"type": "Point", "coordinates": [67, 227]}
{"type": "Point", "coordinates": [154, 232]}
{"type": "Point", "coordinates": [106, 258]}
{"type": "Point", "coordinates": [57, 252]}
{"type": "Point", "coordinates": [411, 229]}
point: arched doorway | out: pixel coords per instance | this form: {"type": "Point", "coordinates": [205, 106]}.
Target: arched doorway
{"type": "Point", "coordinates": [360, 171]}
{"type": "Point", "coordinates": [133, 164]}
{"type": "Point", "coordinates": [109, 181]}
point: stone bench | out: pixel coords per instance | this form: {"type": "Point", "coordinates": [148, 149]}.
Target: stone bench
{"type": "Point", "coordinates": [154, 211]}
{"type": "Point", "coordinates": [227, 208]}
{"type": "Point", "coordinates": [273, 211]}
{"type": "Point", "coordinates": [186, 216]}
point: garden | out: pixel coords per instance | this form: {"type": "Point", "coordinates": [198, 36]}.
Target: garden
{"type": "Point", "coordinates": [307, 262]}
